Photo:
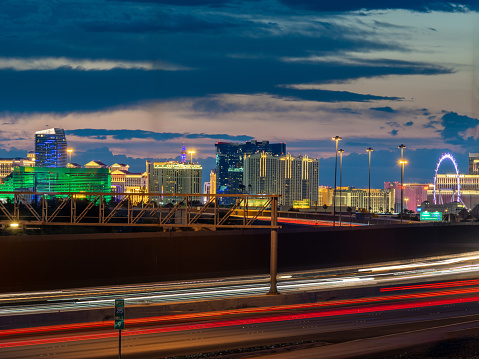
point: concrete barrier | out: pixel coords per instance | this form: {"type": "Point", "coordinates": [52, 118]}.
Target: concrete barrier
{"type": "Point", "coordinates": [66, 261]}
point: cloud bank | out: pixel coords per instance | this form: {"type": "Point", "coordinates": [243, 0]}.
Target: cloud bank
{"type": "Point", "coordinates": [54, 63]}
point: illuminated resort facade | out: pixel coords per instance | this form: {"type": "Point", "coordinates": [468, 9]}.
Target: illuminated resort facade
{"type": "Point", "coordinates": [41, 179]}
{"type": "Point", "coordinates": [50, 148]}
{"type": "Point", "coordinates": [447, 189]}
{"type": "Point", "coordinates": [413, 194]}
{"type": "Point", "coordinates": [173, 177]}
{"type": "Point", "coordinates": [124, 181]}
{"type": "Point", "coordinates": [382, 200]}
{"type": "Point", "coordinates": [325, 196]}
{"type": "Point", "coordinates": [7, 165]}
{"type": "Point", "coordinates": [473, 164]}
{"type": "Point", "coordinates": [294, 178]}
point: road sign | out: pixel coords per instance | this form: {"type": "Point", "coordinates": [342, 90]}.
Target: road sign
{"type": "Point", "coordinates": [431, 216]}
{"type": "Point", "coordinates": [305, 203]}
{"type": "Point", "coordinates": [119, 314]}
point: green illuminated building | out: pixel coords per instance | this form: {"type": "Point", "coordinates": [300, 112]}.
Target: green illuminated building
{"type": "Point", "coordinates": [43, 179]}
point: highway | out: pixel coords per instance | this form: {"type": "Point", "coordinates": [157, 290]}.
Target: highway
{"type": "Point", "coordinates": [427, 269]}
{"type": "Point", "coordinates": [430, 311]}
{"type": "Point", "coordinates": [435, 296]}
{"type": "Point", "coordinates": [383, 274]}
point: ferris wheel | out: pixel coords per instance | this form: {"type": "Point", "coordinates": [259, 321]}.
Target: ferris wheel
{"type": "Point", "coordinates": [453, 187]}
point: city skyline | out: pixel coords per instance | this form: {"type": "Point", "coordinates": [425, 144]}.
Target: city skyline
{"type": "Point", "coordinates": [136, 79]}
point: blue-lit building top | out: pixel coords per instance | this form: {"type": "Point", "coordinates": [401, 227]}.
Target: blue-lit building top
{"type": "Point", "coordinates": [50, 148]}
{"type": "Point", "coordinates": [229, 162]}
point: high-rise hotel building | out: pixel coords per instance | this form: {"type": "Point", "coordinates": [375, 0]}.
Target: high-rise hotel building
{"type": "Point", "coordinates": [50, 148]}
{"type": "Point", "coordinates": [294, 178]}
{"type": "Point", "coordinates": [229, 162]}
{"type": "Point", "coordinates": [173, 177]}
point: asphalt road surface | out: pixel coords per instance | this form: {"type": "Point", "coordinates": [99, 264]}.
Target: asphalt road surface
{"type": "Point", "coordinates": [417, 302]}
{"type": "Point", "coordinates": [428, 269]}
{"type": "Point", "coordinates": [439, 307]}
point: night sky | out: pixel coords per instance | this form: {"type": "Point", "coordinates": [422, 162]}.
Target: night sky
{"type": "Point", "coordinates": [130, 80]}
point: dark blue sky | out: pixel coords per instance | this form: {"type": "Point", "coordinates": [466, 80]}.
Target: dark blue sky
{"type": "Point", "coordinates": [135, 80]}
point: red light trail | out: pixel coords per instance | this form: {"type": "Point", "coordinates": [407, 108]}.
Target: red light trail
{"type": "Point", "coordinates": [434, 285]}
{"type": "Point", "coordinates": [238, 322]}
{"type": "Point", "coordinates": [212, 315]}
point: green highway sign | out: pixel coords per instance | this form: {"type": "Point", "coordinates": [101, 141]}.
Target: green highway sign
{"type": "Point", "coordinates": [119, 314]}
{"type": "Point", "coordinates": [431, 216]}
{"type": "Point", "coordinates": [305, 203]}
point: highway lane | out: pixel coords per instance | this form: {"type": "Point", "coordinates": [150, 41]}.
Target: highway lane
{"type": "Point", "coordinates": [327, 323]}
{"type": "Point", "coordinates": [466, 265]}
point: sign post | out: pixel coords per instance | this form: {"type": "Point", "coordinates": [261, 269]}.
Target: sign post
{"type": "Point", "coordinates": [119, 320]}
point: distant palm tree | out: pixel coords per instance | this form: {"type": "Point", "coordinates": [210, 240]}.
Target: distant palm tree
{"type": "Point", "coordinates": [350, 210]}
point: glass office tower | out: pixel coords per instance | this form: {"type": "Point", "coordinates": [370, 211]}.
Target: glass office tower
{"type": "Point", "coordinates": [229, 163]}
{"type": "Point", "coordinates": [50, 148]}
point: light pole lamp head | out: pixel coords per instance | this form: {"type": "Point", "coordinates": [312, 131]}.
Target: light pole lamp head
{"type": "Point", "coordinates": [402, 162]}
{"type": "Point", "coordinates": [369, 149]}
{"type": "Point", "coordinates": [341, 151]}
{"type": "Point", "coordinates": [401, 146]}
{"type": "Point", "coordinates": [337, 138]}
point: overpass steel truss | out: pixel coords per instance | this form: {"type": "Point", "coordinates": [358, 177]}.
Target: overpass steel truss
{"type": "Point", "coordinates": [34, 208]}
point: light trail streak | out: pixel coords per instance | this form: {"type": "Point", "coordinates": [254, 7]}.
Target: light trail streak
{"type": "Point", "coordinates": [219, 314]}
{"type": "Point", "coordinates": [312, 222]}
{"type": "Point", "coordinates": [416, 265]}
{"type": "Point", "coordinates": [239, 287]}
{"type": "Point", "coordinates": [434, 285]}
{"type": "Point", "coordinates": [189, 295]}
{"type": "Point", "coordinates": [239, 322]}
{"type": "Point", "coordinates": [223, 292]}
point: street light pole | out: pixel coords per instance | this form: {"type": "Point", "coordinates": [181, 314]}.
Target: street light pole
{"type": "Point", "coordinates": [340, 182]}
{"type": "Point", "coordinates": [69, 150]}
{"type": "Point", "coordinates": [369, 192]}
{"type": "Point", "coordinates": [337, 139]}
{"type": "Point", "coordinates": [402, 147]}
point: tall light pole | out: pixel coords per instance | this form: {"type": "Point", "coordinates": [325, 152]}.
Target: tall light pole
{"type": "Point", "coordinates": [69, 150]}
{"type": "Point", "coordinates": [337, 139]}
{"type": "Point", "coordinates": [402, 147]}
{"type": "Point", "coordinates": [340, 182]}
{"type": "Point", "coordinates": [191, 152]}
{"type": "Point", "coordinates": [369, 192]}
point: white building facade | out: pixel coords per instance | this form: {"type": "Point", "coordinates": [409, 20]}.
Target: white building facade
{"type": "Point", "coordinates": [173, 177]}
{"type": "Point", "coordinates": [294, 178]}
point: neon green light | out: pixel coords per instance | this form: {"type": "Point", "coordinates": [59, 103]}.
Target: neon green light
{"type": "Point", "coordinates": [42, 179]}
